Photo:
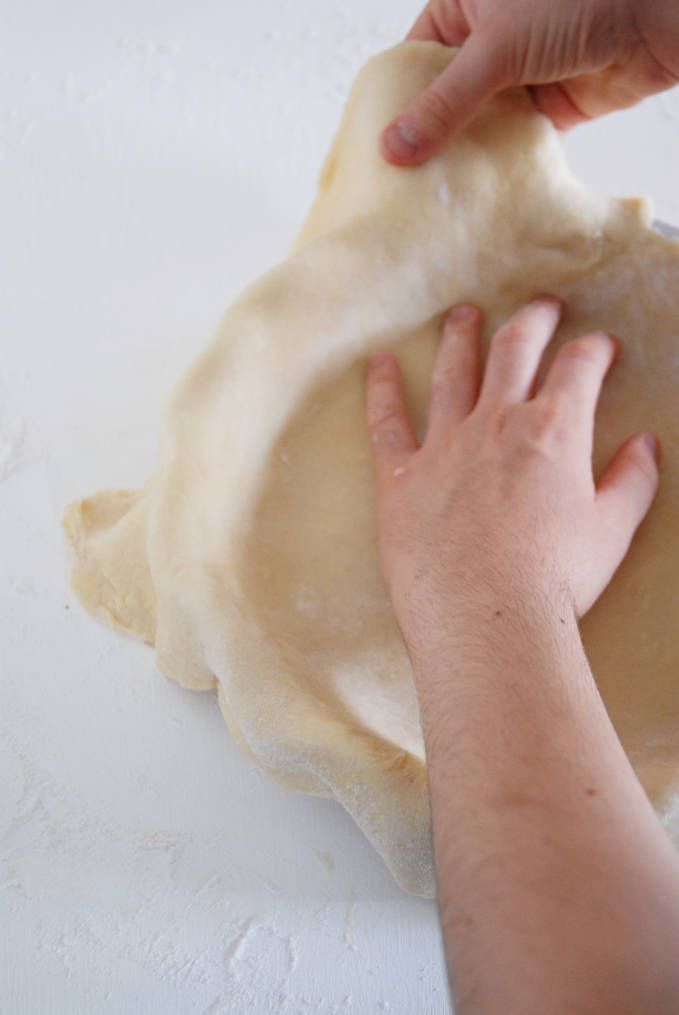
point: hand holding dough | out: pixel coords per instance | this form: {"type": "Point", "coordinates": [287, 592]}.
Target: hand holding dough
{"type": "Point", "coordinates": [249, 560]}
{"type": "Point", "coordinates": [581, 61]}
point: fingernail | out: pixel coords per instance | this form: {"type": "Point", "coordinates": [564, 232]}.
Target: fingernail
{"type": "Point", "coordinates": [462, 312]}
{"type": "Point", "coordinates": [653, 445]}
{"type": "Point", "coordinates": [380, 359]}
{"type": "Point", "coordinates": [400, 141]}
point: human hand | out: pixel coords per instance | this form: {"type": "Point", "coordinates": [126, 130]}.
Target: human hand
{"type": "Point", "coordinates": [581, 59]}
{"type": "Point", "coordinates": [500, 498]}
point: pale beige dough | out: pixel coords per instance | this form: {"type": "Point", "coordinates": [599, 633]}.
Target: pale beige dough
{"type": "Point", "coordinates": [249, 559]}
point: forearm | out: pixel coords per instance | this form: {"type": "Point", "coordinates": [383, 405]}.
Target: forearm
{"type": "Point", "coordinates": [555, 877]}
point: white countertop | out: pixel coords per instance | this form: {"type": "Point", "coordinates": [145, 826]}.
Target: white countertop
{"type": "Point", "coordinates": [153, 159]}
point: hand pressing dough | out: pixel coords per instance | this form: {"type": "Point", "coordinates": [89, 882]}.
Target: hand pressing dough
{"type": "Point", "coordinates": [249, 560]}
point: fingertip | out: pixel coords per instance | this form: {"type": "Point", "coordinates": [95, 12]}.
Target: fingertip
{"type": "Point", "coordinates": [653, 446]}
{"type": "Point", "coordinates": [399, 144]}
{"type": "Point", "coordinates": [614, 343]}
{"type": "Point", "coordinates": [380, 360]}
{"type": "Point", "coordinates": [463, 312]}
{"type": "Point", "coordinates": [617, 344]}
{"type": "Point", "coordinates": [553, 307]}
{"type": "Point", "coordinates": [550, 300]}
{"type": "Point", "coordinates": [644, 455]}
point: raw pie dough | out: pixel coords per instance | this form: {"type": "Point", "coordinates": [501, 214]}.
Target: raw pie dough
{"type": "Point", "coordinates": [249, 559]}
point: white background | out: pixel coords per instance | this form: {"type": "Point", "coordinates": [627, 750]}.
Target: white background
{"type": "Point", "coordinates": [155, 157]}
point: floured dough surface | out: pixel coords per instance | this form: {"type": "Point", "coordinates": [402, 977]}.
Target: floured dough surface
{"type": "Point", "coordinates": [250, 559]}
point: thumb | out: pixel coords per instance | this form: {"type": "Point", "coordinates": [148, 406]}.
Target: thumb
{"type": "Point", "coordinates": [390, 429]}
{"type": "Point", "coordinates": [626, 490]}
{"type": "Point", "coordinates": [449, 103]}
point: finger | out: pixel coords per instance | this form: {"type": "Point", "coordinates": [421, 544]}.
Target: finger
{"type": "Point", "coordinates": [455, 380]}
{"type": "Point", "coordinates": [626, 490]}
{"type": "Point", "coordinates": [443, 109]}
{"type": "Point", "coordinates": [425, 28]}
{"type": "Point", "coordinates": [390, 430]}
{"type": "Point", "coordinates": [554, 101]}
{"type": "Point", "coordinates": [576, 374]}
{"type": "Point", "coordinates": [437, 23]}
{"type": "Point", "coordinates": [516, 350]}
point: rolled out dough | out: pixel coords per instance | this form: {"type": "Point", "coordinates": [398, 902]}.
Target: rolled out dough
{"type": "Point", "coordinates": [249, 559]}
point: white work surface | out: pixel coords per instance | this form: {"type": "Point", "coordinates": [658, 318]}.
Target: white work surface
{"type": "Point", "coordinates": [154, 158]}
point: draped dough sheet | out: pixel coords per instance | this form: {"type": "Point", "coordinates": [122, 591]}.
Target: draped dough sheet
{"type": "Point", "coordinates": [249, 559]}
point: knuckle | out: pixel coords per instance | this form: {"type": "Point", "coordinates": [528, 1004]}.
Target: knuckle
{"type": "Point", "coordinates": [435, 110]}
{"type": "Point", "coordinates": [384, 417]}
{"type": "Point", "coordinates": [547, 420]}
{"type": "Point", "coordinates": [497, 424]}
{"type": "Point", "coordinates": [511, 335]}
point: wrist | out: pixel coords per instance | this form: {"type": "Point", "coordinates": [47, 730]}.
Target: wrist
{"type": "Point", "coordinates": [495, 614]}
